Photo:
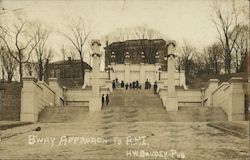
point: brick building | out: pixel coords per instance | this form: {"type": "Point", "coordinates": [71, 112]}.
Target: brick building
{"type": "Point", "coordinates": [135, 47]}
{"type": "Point", "coordinates": [68, 72]}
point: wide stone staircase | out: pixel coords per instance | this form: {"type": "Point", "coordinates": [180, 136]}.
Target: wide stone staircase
{"type": "Point", "coordinates": [132, 106]}
{"type": "Point", "coordinates": [144, 105]}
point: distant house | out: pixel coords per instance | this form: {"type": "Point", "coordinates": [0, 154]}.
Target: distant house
{"type": "Point", "coordinates": [67, 69]}
{"type": "Point", "coordinates": [68, 72]}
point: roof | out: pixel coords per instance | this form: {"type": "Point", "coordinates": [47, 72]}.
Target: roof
{"type": "Point", "coordinates": [62, 62]}
{"type": "Point", "coordinates": [135, 41]}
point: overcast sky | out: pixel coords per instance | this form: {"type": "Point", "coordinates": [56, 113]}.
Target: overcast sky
{"type": "Point", "coordinates": [178, 20]}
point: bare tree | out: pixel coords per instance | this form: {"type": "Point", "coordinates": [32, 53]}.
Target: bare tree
{"type": "Point", "coordinates": [241, 48]}
{"type": "Point", "coordinates": [79, 33]}
{"type": "Point", "coordinates": [18, 42]}
{"type": "Point", "coordinates": [227, 26]}
{"type": "Point", "coordinates": [43, 53]}
{"type": "Point", "coordinates": [8, 64]}
{"type": "Point", "coordinates": [213, 58]}
{"type": "Point", "coordinates": [186, 58]}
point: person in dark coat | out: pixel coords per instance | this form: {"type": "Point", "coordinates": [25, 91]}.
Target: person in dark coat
{"type": "Point", "coordinates": [113, 84]}
{"type": "Point", "coordinates": [107, 100]}
{"type": "Point", "coordinates": [137, 84]}
{"type": "Point", "coordinates": [155, 87]}
{"type": "Point", "coordinates": [130, 85]}
{"type": "Point", "coordinates": [147, 85]}
{"type": "Point", "coordinates": [126, 86]}
{"type": "Point", "coordinates": [122, 84]}
{"type": "Point", "coordinates": [133, 84]}
{"type": "Point", "coordinates": [103, 99]}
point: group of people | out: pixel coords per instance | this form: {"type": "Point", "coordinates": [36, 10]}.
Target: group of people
{"type": "Point", "coordinates": [133, 85]}
{"type": "Point", "coordinates": [105, 99]}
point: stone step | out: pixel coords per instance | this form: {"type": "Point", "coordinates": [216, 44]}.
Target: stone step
{"type": "Point", "coordinates": [62, 114]}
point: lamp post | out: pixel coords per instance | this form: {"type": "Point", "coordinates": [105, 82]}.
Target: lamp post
{"type": "Point", "coordinates": [127, 56]}
{"type": "Point", "coordinates": [112, 57]}
{"type": "Point", "coordinates": [165, 59]}
{"type": "Point", "coordinates": [109, 68]}
{"type": "Point", "coordinates": [157, 57]}
{"type": "Point", "coordinates": [142, 57]}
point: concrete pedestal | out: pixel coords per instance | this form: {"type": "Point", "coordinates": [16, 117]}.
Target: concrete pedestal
{"type": "Point", "coordinates": [171, 104]}
{"type": "Point", "coordinates": [95, 104]}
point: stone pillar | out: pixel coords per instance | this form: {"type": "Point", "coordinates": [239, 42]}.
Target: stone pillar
{"type": "Point", "coordinates": [157, 67]}
{"type": "Point", "coordinates": [171, 101]}
{"type": "Point", "coordinates": [212, 86]}
{"type": "Point", "coordinates": [87, 77]}
{"type": "Point", "coordinates": [29, 107]}
{"type": "Point", "coordinates": [142, 74]}
{"type": "Point", "coordinates": [236, 104]}
{"type": "Point", "coordinates": [157, 71]}
{"type": "Point", "coordinates": [127, 73]}
{"type": "Point", "coordinates": [59, 91]}
{"type": "Point", "coordinates": [142, 69]}
{"type": "Point", "coordinates": [182, 78]}
{"type": "Point", "coordinates": [95, 103]}
{"type": "Point", "coordinates": [112, 73]}
{"type": "Point", "coordinates": [127, 68]}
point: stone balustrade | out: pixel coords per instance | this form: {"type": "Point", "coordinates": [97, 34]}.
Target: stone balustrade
{"type": "Point", "coordinates": [59, 92]}
{"type": "Point", "coordinates": [34, 97]}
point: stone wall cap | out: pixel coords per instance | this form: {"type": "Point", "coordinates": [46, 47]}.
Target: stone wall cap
{"type": "Point", "coordinates": [29, 78]}
{"type": "Point", "coordinates": [53, 79]}
{"type": "Point", "coordinates": [213, 80]}
{"type": "Point", "coordinates": [235, 80]}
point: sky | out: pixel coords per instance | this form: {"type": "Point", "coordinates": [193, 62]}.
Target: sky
{"type": "Point", "coordinates": [178, 20]}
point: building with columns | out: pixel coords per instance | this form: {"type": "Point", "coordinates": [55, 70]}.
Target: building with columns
{"type": "Point", "coordinates": [129, 69]}
{"type": "Point", "coordinates": [148, 47]}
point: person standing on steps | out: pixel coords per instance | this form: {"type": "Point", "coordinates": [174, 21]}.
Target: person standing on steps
{"type": "Point", "coordinates": [113, 84]}
{"type": "Point", "coordinates": [103, 100]}
{"type": "Point", "coordinates": [107, 100]}
{"type": "Point", "coordinates": [133, 84]}
{"type": "Point", "coordinates": [126, 86]}
{"type": "Point", "coordinates": [155, 87]}
{"type": "Point", "coordinates": [122, 84]}
{"type": "Point", "coordinates": [146, 85]}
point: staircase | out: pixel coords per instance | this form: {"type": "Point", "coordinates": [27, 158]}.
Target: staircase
{"type": "Point", "coordinates": [144, 105]}
{"type": "Point", "coordinates": [62, 114]}
{"type": "Point", "coordinates": [132, 106]}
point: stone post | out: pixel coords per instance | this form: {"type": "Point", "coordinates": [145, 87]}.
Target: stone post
{"type": "Point", "coordinates": [182, 78]}
{"type": "Point", "coordinates": [212, 86]}
{"type": "Point", "coordinates": [29, 107]}
{"type": "Point", "coordinates": [127, 68]}
{"type": "Point", "coordinates": [87, 77]}
{"type": "Point", "coordinates": [112, 73]}
{"type": "Point", "coordinates": [171, 101]}
{"type": "Point", "coordinates": [95, 103]}
{"type": "Point", "coordinates": [112, 64]}
{"type": "Point", "coordinates": [59, 91]}
{"type": "Point", "coordinates": [157, 67]}
{"type": "Point", "coordinates": [236, 105]}
{"type": "Point", "coordinates": [142, 74]}
{"type": "Point", "coordinates": [142, 69]}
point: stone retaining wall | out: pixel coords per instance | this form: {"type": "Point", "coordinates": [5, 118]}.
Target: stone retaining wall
{"type": "Point", "coordinates": [10, 101]}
